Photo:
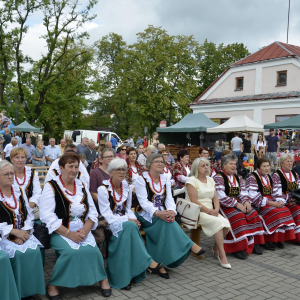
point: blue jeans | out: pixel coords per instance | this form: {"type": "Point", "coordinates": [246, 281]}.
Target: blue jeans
{"type": "Point", "coordinates": [218, 155]}
{"type": "Point", "coordinates": [237, 153]}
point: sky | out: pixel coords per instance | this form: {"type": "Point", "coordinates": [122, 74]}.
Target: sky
{"type": "Point", "coordinates": [255, 23]}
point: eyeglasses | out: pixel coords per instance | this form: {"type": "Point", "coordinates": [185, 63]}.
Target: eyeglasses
{"type": "Point", "coordinates": [166, 154]}
{"type": "Point", "coordinates": [205, 153]}
{"type": "Point", "coordinates": [109, 157]}
{"type": "Point", "coordinates": [158, 162]}
{"type": "Point", "coordinates": [8, 174]}
{"type": "Point", "coordinates": [123, 149]}
{"type": "Point", "coordinates": [121, 170]}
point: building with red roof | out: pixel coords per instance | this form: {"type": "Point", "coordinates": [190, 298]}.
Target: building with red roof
{"type": "Point", "coordinates": [265, 86]}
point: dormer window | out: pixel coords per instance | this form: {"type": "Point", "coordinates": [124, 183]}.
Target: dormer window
{"type": "Point", "coordinates": [281, 78]}
{"type": "Point", "coordinates": [239, 83]}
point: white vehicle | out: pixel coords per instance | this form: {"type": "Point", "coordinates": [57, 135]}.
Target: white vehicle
{"type": "Point", "coordinates": [97, 136]}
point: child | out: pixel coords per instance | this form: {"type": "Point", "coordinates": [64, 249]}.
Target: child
{"type": "Point", "coordinates": [260, 153]}
{"type": "Point", "coordinates": [247, 165]}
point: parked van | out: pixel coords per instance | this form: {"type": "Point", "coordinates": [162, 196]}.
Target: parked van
{"type": "Point", "coordinates": [98, 136]}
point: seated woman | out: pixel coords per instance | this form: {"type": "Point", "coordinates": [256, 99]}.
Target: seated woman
{"type": "Point", "coordinates": [126, 247]}
{"type": "Point", "coordinates": [156, 211]}
{"type": "Point", "coordinates": [69, 212]}
{"type": "Point", "coordinates": [38, 155]}
{"type": "Point", "coordinates": [202, 191]}
{"type": "Point", "coordinates": [246, 228]}
{"type": "Point", "coordinates": [285, 180]}
{"type": "Point", "coordinates": [26, 178]}
{"type": "Point", "coordinates": [182, 167]}
{"type": "Point", "coordinates": [16, 224]}
{"type": "Point", "coordinates": [277, 219]}
{"type": "Point", "coordinates": [134, 169]}
{"type": "Point", "coordinates": [8, 286]}
{"type": "Point", "coordinates": [168, 171]}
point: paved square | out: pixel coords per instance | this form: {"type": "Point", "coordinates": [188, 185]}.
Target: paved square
{"type": "Point", "coordinates": [273, 275]}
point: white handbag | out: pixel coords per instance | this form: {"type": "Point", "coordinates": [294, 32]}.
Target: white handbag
{"type": "Point", "coordinates": [190, 213]}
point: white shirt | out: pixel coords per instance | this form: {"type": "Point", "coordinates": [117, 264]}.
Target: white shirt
{"type": "Point", "coordinates": [84, 176]}
{"type": "Point", "coordinates": [142, 159]}
{"type": "Point", "coordinates": [8, 148]}
{"type": "Point", "coordinates": [37, 190]}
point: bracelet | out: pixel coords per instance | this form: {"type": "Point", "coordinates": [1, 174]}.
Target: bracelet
{"type": "Point", "coordinates": [155, 214]}
{"type": "Point", "coordinates": [67, 232]}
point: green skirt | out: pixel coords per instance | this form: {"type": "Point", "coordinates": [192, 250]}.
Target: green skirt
{"type": "Point", "coordinates": [166, 242]}
{"type": "Point", "coordinates": [28, 271]}
{"type": "Point", "coordinates": [75, 268]}
{"type": "Point", "coordinates": [128, 258]}
{"type": "Point", "coordinates": [8, 286]}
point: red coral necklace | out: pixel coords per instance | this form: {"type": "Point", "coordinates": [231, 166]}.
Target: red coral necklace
{"type": "Point", "coordinates": [14, 197]}
{"type": "Point", "coordinates": [114, 192]}
{"type": "Point", "coordinates": [268, 183]}
{"type": "Point", "coordinates": [153, 184]}
{"type": "Point", "coordinates": [290, 179]}
{"type": "Point", "coordinates": [233, 184]}
{"type": "Point", "coordinates": [66, 191]}
{"type": "Point", "coordinates": [24, 179]}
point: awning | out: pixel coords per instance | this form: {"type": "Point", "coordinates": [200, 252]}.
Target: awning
{"type": "Point", "coordinates": [291, 123]}
{"type": "Point", "coordinates": [26, 127]}
{"type": "Point", "coordinates": [190, 123]}
{"type": "Point", "coordinates": [238, 124]}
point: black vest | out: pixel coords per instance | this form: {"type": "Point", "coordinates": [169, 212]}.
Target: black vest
{"type": "Point", "coordinates": [29, 187]}
{"type": "Point", "coordinates": [113, 203]}
{"type": "Point", "coordinates": [150, 196]}
{"type": "Point", "coordinates": [8, 215]}
{"type": "Point", "coordinates": [287, 186]}
{"type": "Point", "coordinates": [230, 191]}
{"type": "Point", "coordinates": [63, 204]}
{"type": "Point", "coordinates": [265, 191]}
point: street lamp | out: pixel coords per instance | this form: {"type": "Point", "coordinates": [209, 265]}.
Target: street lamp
{"type": "Point", "coordinates": [10, 102]}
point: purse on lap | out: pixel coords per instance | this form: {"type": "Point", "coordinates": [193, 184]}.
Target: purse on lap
{"type": "Point", "coordinates": [189, 212]}
{"type": "Point", "coordinates": [295, 194]}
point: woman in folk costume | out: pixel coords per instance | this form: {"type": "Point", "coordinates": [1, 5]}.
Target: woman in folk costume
{"type": "Point", "coordinates": [156, 211]}
{"type": "Point", "coordinates": [67, 208]}
{"type": "Point", "coordinates": [277, 219]}
{"type": "Point", "coordinates": [246, 227]}
{"type": "Point", "coordinates": [16, 228]}
{"type": "Point", "coordinates": [128, 258]}
{"type": "Point", "coordinates": [285, 180]}
{"type": "Point", "coordinates": [168, 170]}
{"type": "Point", "coordinates": [182, 168]}
{"type": "Point", "coordinates": [134, 169]}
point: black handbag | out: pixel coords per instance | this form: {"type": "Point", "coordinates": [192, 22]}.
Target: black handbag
{"type": "Point", "coordinates": [295, 194]}
{"type": "Point", "coordinates": [42, 234]}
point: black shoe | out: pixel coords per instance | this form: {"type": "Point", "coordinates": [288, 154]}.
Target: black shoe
{"type": "Point", "coordinates": [127, 288]}
{"type": "Point", "coordinates": [297, 244]}
{"type": "Point", "coordinates": [269, 246]}
{"type": "Point", "coordinates": [27, 298]}
{"type": "Point", "coordinates": [257, 250]}
{"type": "Point", "coordinates": [56, 297]}
{"type": "Point", "coordinates": [157, 271]}
{"type": "Point", "coordinates": [105, 292]}
{"type": "Point", "coordinates": [279, 245]}
{"type": "Point", "coordinates": [202, 251]}
{"type": "Point", "coordinates": [239, 255]}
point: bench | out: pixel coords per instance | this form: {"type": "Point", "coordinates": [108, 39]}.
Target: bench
{"type": "Point", "coordinates": [42, 173]}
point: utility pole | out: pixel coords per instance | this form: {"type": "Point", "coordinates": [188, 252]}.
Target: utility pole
{"type": "Point", "coordinates": [288, 24]}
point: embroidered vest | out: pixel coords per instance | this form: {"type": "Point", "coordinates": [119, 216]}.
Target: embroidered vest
{"type": "Point", "coordinates": [63, 204]}
{"type": "Point", "coordinates": [56, 173]}
{"type": "Point", "coordinates": [113, 203]}
{"type": "Point", "coordinates": [230, 191]}
{"type": "Point", "coordinates": [29, 187]}
{"type": "Point", "coordinates": [150, 196]}
{"type": "Point", "coordinates": [264, 190]}
{"type": "Point", "coordinates": [8, 215]}
{"type": "Point", "coordinates": [285, 184]}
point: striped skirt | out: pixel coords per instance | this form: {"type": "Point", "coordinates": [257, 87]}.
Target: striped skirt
{"type": "Point", "coordinates": [295, 211]}
{"type": "Point", "coordinates": [278, 223]}
{"type": "Point", "coordinates": [246, 230]}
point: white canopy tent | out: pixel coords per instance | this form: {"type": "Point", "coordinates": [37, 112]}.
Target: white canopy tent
{"type": "Point", "coordinates": [238, 124]}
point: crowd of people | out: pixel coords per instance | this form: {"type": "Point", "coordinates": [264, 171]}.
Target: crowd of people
{"type": "Point", "coordinates": [130, 188]}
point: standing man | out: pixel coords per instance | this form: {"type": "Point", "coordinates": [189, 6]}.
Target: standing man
{"type": "Point", "coordinates": [237, 146]}
{"type": "Point", "coordinates": [62, 145]}
{"type": "Point", "coordinates": [29, 149]}
{"type": "Point", "coordinates": [114, 142]}
{"type": "Point", "coordinates": [129, 141]}
{"type": "Point", "coordinates": [17, 135]}
{"type": "Point", "coordinates": [83, 146]}
{"type": "Point", "coordinates": [272, 148]}
{"type": "Point", "coordinates": [6, 138]}
{"type": "Point", "coordinates": [247, 147]}
{"type": "Point", "coordinates": [8, 147]}
{"type": "Point", "coordinates": [52, 152]}
{"type": "Point", "coordinates": [90, 154]}
{"type": "Point", "coordinates": [139, 141]}
{"type": "Point", "coordinates": [145, 144]}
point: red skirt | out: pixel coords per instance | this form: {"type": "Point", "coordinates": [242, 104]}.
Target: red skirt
{"type": "Point", "coordinates": [278, 222]}
{"type": "Point", "coordinates": [246, 230]}
{"type": "Point", "coordinates": [295, 211]}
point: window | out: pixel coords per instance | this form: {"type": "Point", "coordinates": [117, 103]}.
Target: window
{"type": "Point", "coordinates": [281, 78]}
{"type": "Point", "coordinates": [283, 117]}
{"type": "Point", "coordinates": [239, 83]}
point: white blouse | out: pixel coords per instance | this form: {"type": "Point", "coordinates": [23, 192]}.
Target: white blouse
{"type": "Point", "coordinates": [48, 204]}
{"type": "Point", "coordinates": [115, 219]}
{"type": "Point", "coordinates": [134, 175]}
{"type": "Point", "coordinates": [141, 192]}
{"type": "Point", "coordinates": [168, 175]}
{"type": "Point", "coordinates": [37, 190]}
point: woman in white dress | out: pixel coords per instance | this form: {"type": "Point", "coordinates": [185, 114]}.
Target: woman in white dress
{"type": "Point", "coordinates": [18, 241]}
{"type": "Point", "coordinates": [202, 191]}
